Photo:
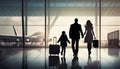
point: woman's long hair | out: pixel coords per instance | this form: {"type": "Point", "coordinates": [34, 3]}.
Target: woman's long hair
{"type": "Point", "coordinates": [89, 25]}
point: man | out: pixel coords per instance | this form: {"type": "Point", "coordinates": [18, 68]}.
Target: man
{"type": "Point", "coordinates": [74, 34]}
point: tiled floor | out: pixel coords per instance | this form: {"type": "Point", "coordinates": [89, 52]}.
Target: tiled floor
{"type": "Point", "coordinates": [38, 58]}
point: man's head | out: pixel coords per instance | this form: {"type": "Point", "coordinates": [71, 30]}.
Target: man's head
{"type": "Point", "coordinates": [76, 20]}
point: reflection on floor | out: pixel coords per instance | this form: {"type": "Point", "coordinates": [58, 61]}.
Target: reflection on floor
{"type": "Point", "coordinates": [38, 58]}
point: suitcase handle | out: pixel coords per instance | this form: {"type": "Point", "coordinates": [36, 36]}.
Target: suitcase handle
{"type": "Point", "coordinates": [95, 38]}
{"type": "Point", "coordinates": [54, 40]}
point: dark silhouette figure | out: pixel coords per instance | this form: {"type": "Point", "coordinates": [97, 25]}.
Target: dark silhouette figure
{"type": "Point", "coordinates": [63, 42]}
{"type": "Point", "coordinates": [74, 34]}
{"type": "Point", "coordinates": [63, 65]}
{"type": "Point", "coordinates": [75, 63]}
{"type": "Point", "coordinates": [89, 33]}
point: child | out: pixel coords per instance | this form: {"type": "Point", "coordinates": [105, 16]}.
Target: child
{"type": "Point", "coordinates": [63, 42]}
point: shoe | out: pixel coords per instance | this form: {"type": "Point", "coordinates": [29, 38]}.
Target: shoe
{"type": "Point", "coordinates": [61, 53]}
{"type": "Point", "coordinates": [75, 55]}
{"type": "Point", "coordinates": [89, 53]}
{"type": "Point", "coordinates": [64, 55]}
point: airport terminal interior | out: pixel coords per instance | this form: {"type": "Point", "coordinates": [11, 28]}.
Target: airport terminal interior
{"type": "Point", "coordinates": [28, 28]}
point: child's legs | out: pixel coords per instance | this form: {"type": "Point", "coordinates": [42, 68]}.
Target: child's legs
{"type": "Point", "coordinates": [62, 49]}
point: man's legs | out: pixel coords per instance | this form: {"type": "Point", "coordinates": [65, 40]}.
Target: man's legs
{"type": "Point", "coordinates": [73, 48]}
{"type": "Point", "coordinates": [77, 46]}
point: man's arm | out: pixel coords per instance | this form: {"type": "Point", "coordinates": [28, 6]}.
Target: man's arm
{"type": "Point", "coordinates": [70, 32]}
{"type": "Point", "coordinates": [81, 31]}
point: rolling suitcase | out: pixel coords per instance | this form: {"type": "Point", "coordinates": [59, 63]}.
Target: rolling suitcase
{"type": "Point", "coordinates": [54, 61]}
{"type": "Point", "coordinates": [95, 43]}
{"type": "Point", "coordinates": [54, 48]}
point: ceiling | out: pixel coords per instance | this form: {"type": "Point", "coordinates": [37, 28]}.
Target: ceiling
{"type": "Point", "coordinates": [60, 7]}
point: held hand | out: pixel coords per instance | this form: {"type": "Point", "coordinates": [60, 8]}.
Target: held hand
{"type": "Point", "coordinates": [69, 42]}
{"type": "Point", "coordinates": [82, 36]}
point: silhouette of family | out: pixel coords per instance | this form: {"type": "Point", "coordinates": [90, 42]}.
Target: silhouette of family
{"type": "Point", "coordinates": [75, 33]}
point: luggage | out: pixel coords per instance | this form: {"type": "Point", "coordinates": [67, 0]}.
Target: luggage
{"type": "Point", "coordinates": [54, 61]}
{"type": "Point", "coordinates": [54, 48]}
{"type": "Point", "coordinates": [95, 43]}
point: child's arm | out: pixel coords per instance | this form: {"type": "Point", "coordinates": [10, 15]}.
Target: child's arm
{"type": "Point", "coordinates": [68, 40]}
{"type": "Point", "coordinates": [59, 40]}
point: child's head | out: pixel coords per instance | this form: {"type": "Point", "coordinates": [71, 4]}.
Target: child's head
{"type": "Point", "coordinates": [63, 32]}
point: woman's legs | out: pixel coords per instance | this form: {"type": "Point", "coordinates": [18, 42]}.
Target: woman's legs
{"type": "Point", "coordinates": [89, 47]}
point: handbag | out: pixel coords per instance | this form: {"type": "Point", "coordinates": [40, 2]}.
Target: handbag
{"type": "Point", "coordinates": [95, 43]}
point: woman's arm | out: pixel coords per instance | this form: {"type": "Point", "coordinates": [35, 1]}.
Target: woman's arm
{"type": "Point", "coordinates": [85, 32]}
{"type": "Point", "coordinates": [93, 34]}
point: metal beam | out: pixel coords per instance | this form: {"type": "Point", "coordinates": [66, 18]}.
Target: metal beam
{"type": "Point", "coordinates": [23, 32]}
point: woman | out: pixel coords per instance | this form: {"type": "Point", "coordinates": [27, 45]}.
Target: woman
{"type": "Point", "coordinates": [89, 33]}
